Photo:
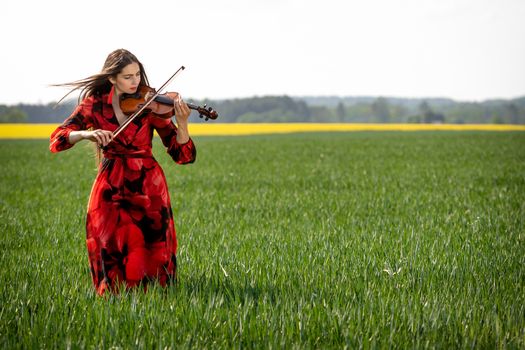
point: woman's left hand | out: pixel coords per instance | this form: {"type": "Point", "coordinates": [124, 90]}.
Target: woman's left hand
{"type": "Point", "coordinates": [182, 113]}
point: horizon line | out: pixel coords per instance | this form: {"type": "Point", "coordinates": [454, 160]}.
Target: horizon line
{"type": "Point", "coordinates": [330, 96]}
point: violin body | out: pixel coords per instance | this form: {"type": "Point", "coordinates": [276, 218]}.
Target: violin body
{"type": "Point", "coordinates": [162, 105]}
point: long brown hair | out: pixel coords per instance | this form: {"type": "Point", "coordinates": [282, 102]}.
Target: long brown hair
{"type": "Point", "coordinates": [99, 84]}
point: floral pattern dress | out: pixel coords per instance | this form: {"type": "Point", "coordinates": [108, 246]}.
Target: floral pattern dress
{"type": "Point", "coordinates": [130, 232]}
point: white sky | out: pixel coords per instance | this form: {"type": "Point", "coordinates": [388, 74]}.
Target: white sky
{"type": "Point", "coordinates": [462, 49]}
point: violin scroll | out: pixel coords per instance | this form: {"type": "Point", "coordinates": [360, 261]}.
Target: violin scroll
{"type": "Point", "coordinates": [208, 113]}
{"type": "Point", "coordinates": [162, 105]}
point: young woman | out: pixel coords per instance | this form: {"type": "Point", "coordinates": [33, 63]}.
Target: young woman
{"type": "Point", "coordinates": [131, 235]}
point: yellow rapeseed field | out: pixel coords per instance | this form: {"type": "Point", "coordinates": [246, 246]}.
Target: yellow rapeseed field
{"type": "Point", "coordinates": [39, 131]}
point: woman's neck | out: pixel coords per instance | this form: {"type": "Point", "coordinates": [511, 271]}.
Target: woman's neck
{"type": "Point", "coordinates": [115, 102]}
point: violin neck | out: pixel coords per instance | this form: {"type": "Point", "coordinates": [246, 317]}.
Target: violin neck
{"type": "Point", "coordinates": [165, 100]}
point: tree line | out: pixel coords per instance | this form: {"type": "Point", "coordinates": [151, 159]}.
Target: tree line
{"type": "Point", "coordinates": [278, 109]}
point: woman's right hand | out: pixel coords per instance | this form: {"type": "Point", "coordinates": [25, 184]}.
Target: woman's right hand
{"type": "Point", "coordinates": [101, 137]}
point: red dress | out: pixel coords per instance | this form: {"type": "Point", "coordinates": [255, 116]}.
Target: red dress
{"type": "Point", "coordinates": [130, 230]}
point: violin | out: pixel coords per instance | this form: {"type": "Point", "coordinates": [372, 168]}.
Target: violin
{"type": "Point", "coordinates": [162, 105]}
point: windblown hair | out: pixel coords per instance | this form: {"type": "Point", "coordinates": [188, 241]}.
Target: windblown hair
{"type": "Point", "coordinates": [99, 84]}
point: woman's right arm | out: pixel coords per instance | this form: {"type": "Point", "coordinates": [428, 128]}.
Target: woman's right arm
{"type": "Point", "coordinates": [101, 137]}
{"type": "Point", "coordinates": [74, 129]}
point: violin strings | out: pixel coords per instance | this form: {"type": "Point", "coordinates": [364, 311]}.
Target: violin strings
{"type": "Point", "coordinates": [134, 115]}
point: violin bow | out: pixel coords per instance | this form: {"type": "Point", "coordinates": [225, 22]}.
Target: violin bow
{"type": "Point", "coordinates": [146, 104]}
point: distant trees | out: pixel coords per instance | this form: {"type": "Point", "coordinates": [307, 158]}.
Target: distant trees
{"type": "Point", "coordinates": [276, 109]}
{"type": "Point", "coordinates": [381, 110]}
{"type": "Point", "coordinates": [261, 109]}
{"type": "Point", "coordinates": [499, 112]}
{"type": "Point", "coordinates": [340, 111]}
{"type": "Point", "coordinates": [512, 113]}
{"type": "Point", "coordinates": [12, 115]}
{"type": "Point", "coordinates": [36, 113]}
{"type": "Point", "coordinates": [426, 115]}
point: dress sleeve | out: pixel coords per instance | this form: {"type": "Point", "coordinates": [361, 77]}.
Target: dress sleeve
{"type": "Point", "coordinates": [180, 153]}
{"type": "Point", "coordinates": [80, 119]}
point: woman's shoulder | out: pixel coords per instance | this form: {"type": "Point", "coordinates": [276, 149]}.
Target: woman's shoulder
{"type": "Point", "coordinates": [95, 98]}
{"type": "Point", "coordinates": [90, 104]}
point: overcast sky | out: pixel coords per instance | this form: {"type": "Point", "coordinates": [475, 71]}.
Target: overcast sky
{"type": "Point", "coordinates": [462, 49]}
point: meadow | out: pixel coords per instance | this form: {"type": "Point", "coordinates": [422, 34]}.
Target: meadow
{"type": "Point", "coordinates": [296, 241]}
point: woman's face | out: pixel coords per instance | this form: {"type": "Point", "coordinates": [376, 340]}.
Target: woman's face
{"type": "Point", "coordinates": [127, 81]}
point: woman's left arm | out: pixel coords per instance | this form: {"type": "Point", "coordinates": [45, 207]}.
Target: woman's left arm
{"type": "Point", "coordinates": [177, 138]}
{"type": "Point", "coordinates": [182, 113]}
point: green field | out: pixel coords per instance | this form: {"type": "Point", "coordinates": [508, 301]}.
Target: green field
{"type": "Point", "coordinates": [317, 240]}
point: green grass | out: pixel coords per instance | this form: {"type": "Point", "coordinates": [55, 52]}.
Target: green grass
{"type": "Point", "coordinates": [329, 240]}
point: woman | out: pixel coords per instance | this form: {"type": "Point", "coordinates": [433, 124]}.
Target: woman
{"type": "Point", "coordinates": [131, 235]}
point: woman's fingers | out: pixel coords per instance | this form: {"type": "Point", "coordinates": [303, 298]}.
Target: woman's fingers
{"type": "Point", "coordinates": [107, 136]}
{"type": "Point", "coordinates": [180, 107]}
{"type": "Point", "coordinates": [101, 137]}
{"type": "Point", "coordinates": [104, 139]}
{"type": "Point", "coordinates": [182, 111]}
